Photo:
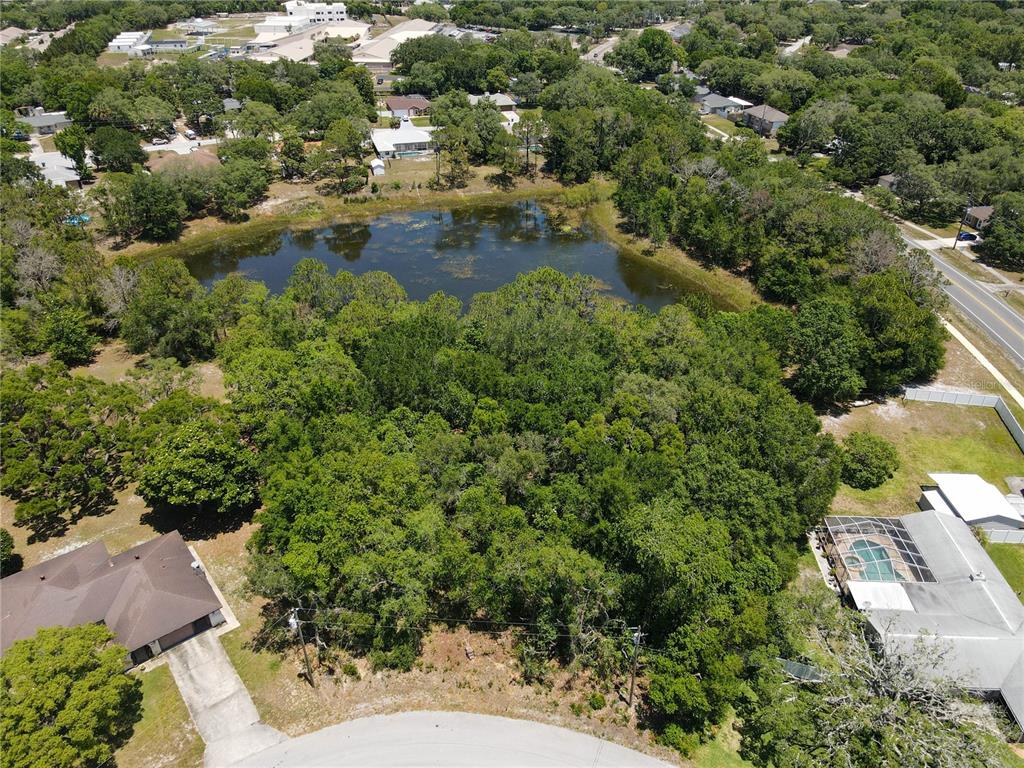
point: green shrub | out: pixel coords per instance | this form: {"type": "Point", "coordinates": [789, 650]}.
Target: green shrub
{"type": "Point", "coordinates": [596, 701]}
{"type": "Point", "coordinates": [868, 460]}
{"type": "Point", "coordinates": [684, 742]}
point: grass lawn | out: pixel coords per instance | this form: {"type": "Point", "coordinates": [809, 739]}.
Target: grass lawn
{"type": "Point", "coordinates": [930, 437]}
{"type": "Point", "coordinates": [112, 59]}
{"type": "Point", "coordinates": [1016, 300]}
{"type": "Point", "coordinates": [967, 265]}
{"type": "Point", "coordinates": [165, 737]}
{"type": "Point", "coordinates": [723, 751]}
{"type": "Point", "coordinates": [48, 144]}
{"type": "Point", "coordinates": [1009, 558]}
{"type": "Point", "coordinates": [716, 121]}
{"type": "Point", "coordinates": [421, 120]}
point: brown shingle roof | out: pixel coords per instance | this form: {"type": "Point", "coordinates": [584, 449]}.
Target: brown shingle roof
{"type": "Point", "coordinates": [407, 102]}
{"type": "Point", "coordinates": [141, 595]}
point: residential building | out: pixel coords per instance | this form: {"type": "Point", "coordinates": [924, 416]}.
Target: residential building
{"type": "Point", "coordinates": [974, 501]}
{"type": "Point", "coordinates": [412, 105]}
{"type": "Point", "coordinates": [405, 141]}
{"type": "Point", "coordinates": [978, 216]}
{"type": "Point", "coordinates": [699, 92]}
{"type": "Point", "coordinates": [42, 122]}
{"type": "Point", "coordinates": [133, 43]}
{"type": "Point", "coordinates": [502, 101]}
{"type": "Point", "coordinates": [375, 54]}
{"type": "Point", "coordinates": [925, 579]}
{"type": "Point", "coordinates": [56, 169]}
{"type": "Point", "coordinates": [723, 106]}
{"type": "Point", "coordinates": [9, 35]}
{"type": "Point", "coordinates": [888, 181]}
{"type": "Point", "coordinates": [764, 120]}
{"type": "Point", "coordinates": [151, 597]}
{"type": "Point", "coordinates": [231, 105]}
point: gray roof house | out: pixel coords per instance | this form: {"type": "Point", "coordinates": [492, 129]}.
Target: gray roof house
{"type": "Point", "coordinates": [925, 578]}
{"type": "Point", "coordinates": [502, 101]}
{"type": "Point", "coordinates": [151, 597]}
{"type": "Point", "coordinates": [716, 103]}
{"type": "Point", "coordinates": [764, 120]}
{"type": "Point", "coordinates": [978, 216]}
{"type": "Point", "coordinates": [40, 121]}
{"type": "Point", "coordinates": [405, 141]}
{"type": "Point", "coordinates": [974, 501]}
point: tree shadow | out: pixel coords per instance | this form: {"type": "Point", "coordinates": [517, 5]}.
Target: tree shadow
{"type": "Point", "coordinates": [195, 522]}
{"type": "Point", "coordinates": [503, 181]}
{"type": "Point", "coordinates": [12, 564]}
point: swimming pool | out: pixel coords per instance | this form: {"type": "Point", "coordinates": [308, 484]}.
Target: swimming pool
{"type": "Point", "coordinates": [869, 561]}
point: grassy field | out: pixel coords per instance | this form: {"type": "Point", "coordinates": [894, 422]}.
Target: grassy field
{"type": "Point", "coordinates": [1009, 558]}
{"type": "Point", "coordinates": [166, 736]}
{"type": "Point", "coordinates": [722, 124]}
{"type": "Point", "coordinates": [967, 265]}
{"type": "Point", "coordinates": [930, 437]}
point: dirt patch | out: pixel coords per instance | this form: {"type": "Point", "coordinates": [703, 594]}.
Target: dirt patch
{"type": "Point", "coordinates": [111, 363]}
{"type": "Point", "coordinates": [203, 157]}
{"type": "Point", "coordinates": [211, 381]}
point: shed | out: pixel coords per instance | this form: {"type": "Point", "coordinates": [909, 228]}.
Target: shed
{"type": "Point", "coordinates": [377, 167]}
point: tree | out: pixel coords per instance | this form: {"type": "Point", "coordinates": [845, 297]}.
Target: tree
{"type": "Point", "coordinates": [153, 116]}
{"type": "Point", "coordinates": [1003, 244]}
{"type": "Point", "coordinates": [71, 142]}
{"type": "Point", "coordinates": [67, 700]}
{"type": "Point", "coordinates": [255, 119]}
{"type": "Point", "coordinates": [117, 149]}
{"type": "Point", "coordinates": [63, 436]}
{"type": "Point", "coordinates": [166, 314]}
{"type": "Point", "coordinates": [644, 57]}
{"type": "Point", "coordinates": [241, 184]}
{"type": "Point", "coordinates": [827, 348]}
{"type": "Point", "coordinates": [201, 468]}
{"type": "Point", "coordinates": [868, 460]}
{"type": "Point", "coordinates": [332, 56]}
{"type": "Point", "coordinates": [156, 207]}
{"type": "Point", "coordinates": [292, 154]}
{"type": "Point", "coordinates": [65, 334]}
{"type": "Point", "coordinates": [10, 561]}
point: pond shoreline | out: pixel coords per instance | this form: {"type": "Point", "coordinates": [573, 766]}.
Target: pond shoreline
{"type": "Point", "coordinates": [727, 291]}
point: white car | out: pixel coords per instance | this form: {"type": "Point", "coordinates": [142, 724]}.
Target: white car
{"type": "Point", "coordinates": [190, 134]}
{"type": "Point", "coordinates": [160, 140]}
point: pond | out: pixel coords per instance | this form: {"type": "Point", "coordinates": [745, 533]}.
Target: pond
{"type": "Point", "coordinates": [461, 251]}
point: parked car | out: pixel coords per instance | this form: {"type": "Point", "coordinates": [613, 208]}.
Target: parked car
{"type": "Point", "coordinates": [160, 140]}
{"type": "Point", "coordinates": [967, 237]}
{"type": "Point", "coordinates": [190, 134]}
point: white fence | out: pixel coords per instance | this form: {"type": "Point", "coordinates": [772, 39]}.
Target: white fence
{"type": "Point", "coordinates": [1005, 537]}
{"type": "Point", "coordinates": [958, 397]}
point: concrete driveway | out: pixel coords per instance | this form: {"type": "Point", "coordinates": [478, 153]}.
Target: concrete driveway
{"type": "Point", "coordinates": [218, 702]}
{"type": "Point", "coordinates": [455, 739]}
{"type": "Point", "coordinates": [180, 145]}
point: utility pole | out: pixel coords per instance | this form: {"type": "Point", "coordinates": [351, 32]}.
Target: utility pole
{"type": "Point", "coordinates": [637, 636]}
{"type": "Point", "coordinates": [295, 623]}
{"type": "Point", "coordinates": [962, 218]}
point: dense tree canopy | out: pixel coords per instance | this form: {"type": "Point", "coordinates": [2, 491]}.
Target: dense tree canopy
{"type": "Point", "coordinates": [66, 699]}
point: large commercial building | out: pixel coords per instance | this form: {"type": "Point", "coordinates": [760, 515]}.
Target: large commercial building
{"type": "Point", "coordinates": [300, 15]}
{"type": "Point", "coordinates": [925, 578]}
{"type": "Point", "coordinates": [375, 54]}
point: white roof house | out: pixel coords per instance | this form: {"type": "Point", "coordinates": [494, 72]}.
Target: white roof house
{"type": "Point", "coordinates": [405, 141]}
{"type": "Point", "coordinates": [925, 578]}
{"type": "Point", "coordinates": [375, 54]}
{"type": "Point", "coordinates": [56, 169]}
{"type": "Point", "coordinates": [973, 500]}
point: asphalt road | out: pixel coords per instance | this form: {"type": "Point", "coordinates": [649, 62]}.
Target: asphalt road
{"type": "Point", "coordinates": [990, 313]}
{"type": "Point", "coordinates": [455, 739]}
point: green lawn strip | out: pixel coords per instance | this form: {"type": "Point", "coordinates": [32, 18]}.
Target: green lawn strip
{"type": "Point", "coordinates": [723, 750]}
{"type": "Point", "coordinates": [166, 735]}
{"type": "Point", "coordinates": [1009, 559]}
{"type": "Point", "coordinates": [930, 437]}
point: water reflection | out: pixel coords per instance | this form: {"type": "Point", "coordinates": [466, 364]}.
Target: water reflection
{"type": "Point", "coordinates": [461, 251]}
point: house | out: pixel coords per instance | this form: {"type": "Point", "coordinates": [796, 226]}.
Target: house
{"type": "Point", "coordinates": [764, 120]}
{"type": "Point", "coordinates": [978, 216]}
{"type": "Point", "coordinates": [925, 578]}
{"type": "Point", "coordinates": [405, 141]}
{"type": "Point", "coordinates": [9, 35]}
{"type": "Point", "coordinates": [717, 104]}
{"type": "Point", "coordinates": [377, 167]}
{"type": "Point", "coordinates": [974, 501]}
{"type": "Point", "coordinates": [56, 169]}
{"type": "Point", "coordinates": [502, 101]}
{"type": "Point", "coordinates": [151, 597]}
{"type": "Point", "coordinates": [699, 92]}
{"type": "Point", "coordinates": [42, 122]}
{"type": "Point", "coordinates": [133, 43]}
{"type": "Point", "coordinates": [888, 181]}
{"type": "Point", "coordinates": [375, 54]}
{"type": "Point", "coordinates": [413, 105]}
{"type": "Point", "coordinates": [232, 105]}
